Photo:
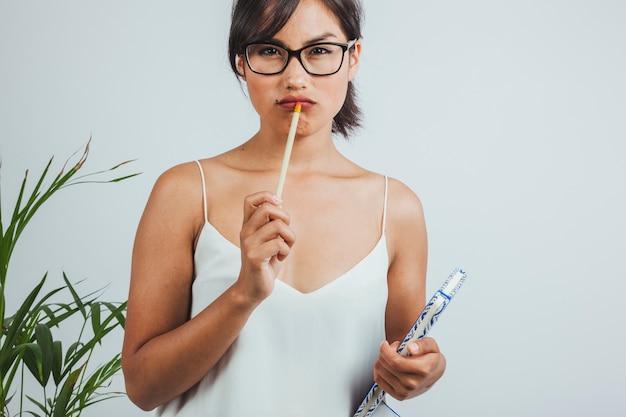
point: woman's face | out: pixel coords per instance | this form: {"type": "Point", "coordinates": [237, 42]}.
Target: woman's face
{"type": "Point", "coordinates": [310, 20]}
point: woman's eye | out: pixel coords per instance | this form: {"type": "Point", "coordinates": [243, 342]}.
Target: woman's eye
{"type": "Point", "coordinates": [319, 51]}
{"type": "Point", "coordinates": [267, 51]}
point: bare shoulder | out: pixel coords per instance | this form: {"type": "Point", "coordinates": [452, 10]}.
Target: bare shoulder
{"type": "Point", "coordinates": [178, 191]}
{"type": "Point", "coordinates": [405, 200]}
{"type": "Point", "coordinates": [405, 217]}
{"type": "Point", "coordinates": [173, 194]}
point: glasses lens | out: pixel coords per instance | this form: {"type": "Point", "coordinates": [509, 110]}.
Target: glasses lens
{"type": "Point", "coordinates": [323, 58]}
{"type": "Point", "coordinates": [266, 58]}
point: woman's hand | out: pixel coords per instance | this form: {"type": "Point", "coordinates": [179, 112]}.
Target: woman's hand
{"type": "Point", "coordinates": [405, 377]}
{"type": "Point", "coordinates": [266, 240]}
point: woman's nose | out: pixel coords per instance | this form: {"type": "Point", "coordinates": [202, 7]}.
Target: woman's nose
{"type": "Point", "coordinates": [295, 74]}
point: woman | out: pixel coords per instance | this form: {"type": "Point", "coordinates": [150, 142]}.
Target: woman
{"type": "Point", "coordinates": [243, 305]}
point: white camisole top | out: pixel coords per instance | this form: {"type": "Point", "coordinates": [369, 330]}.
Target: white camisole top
{"type": "Point", "coordinates": [299, 354]}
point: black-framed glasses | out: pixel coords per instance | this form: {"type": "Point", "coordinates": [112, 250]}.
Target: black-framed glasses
{"type": "Point", "coordinates": [322, 58]}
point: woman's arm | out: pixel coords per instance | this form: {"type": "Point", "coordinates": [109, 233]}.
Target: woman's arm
{"type": "Point", "coordinates": [406, 377]}
{"type": "Point", "coordinates": [406, 277]}
{"type": "Point", "coordinates": [164, 354]}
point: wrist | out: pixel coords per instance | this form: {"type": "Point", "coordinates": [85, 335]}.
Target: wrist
{"type": "Point", "coordinates": [241, 298]}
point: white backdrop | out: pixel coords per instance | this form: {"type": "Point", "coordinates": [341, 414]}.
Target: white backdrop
{"type": "Point", "coordinates": [506, 118]}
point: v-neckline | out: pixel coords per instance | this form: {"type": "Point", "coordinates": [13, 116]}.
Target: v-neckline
{"type": "Point", "coordinates": [310, 293]}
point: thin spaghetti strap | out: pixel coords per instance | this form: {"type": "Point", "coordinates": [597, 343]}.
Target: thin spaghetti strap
{"type": "Point", "coordinates": [385, 205]}
{"type": "Point", "coordinates": [203, 190]}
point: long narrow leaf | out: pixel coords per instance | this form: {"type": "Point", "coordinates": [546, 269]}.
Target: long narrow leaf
{"type": "Point", "coordinates": [56, 319]}
{"type": "Point", "coordinates": [71, 350]}
{"type": "Point", "coordinates": [77, 299]}
{"type": "Point", "coordinates": [105, 170]}
{"type": "Point", "coordinates": [60, 407]}
{"type": "Point", "coordinates": [106, 398]}
{"type": "Point", "coordinates": [95, 318]}
{"type": "Point", "coordinates": [98, 377]}
{"type": "Point", "coordinates": [38, 404]}
{"type": "Point", "coordinates": [44, 340]}
{"type": "Point", "coordinates": [117, 313]}
{"type": "Point", "coordinates": [88, 346]}
{"type": "Point", "coordinates": [57, 363]}
{"type": "Point", "coordinates": [16, 210]}
{"type": "Point", "coordinates": [50, 315]}
{"type": "Point", "coordinates": [35, 192]}
{"type": "Point", "coordinates": [33, 359]}
{"type": "Point", "coordinates": [17, 322]}
{"type": "Point", "coordinates": [2, 301]}
{"type": "Point", "coordinates": [69, 184]}
{"type": "Point", "coordinates": [1, 227]}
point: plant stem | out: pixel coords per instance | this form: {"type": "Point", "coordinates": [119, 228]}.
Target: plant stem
{"type": "Point", "coordinates": [81, 329]}
{"type": "Point", "coordinates": [45, 400]}
{"type": "Point", "coordinates": [22, 389]}
{"type": "Point", "coordinates": [82, 375]}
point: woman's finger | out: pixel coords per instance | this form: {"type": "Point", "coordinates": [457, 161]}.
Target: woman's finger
{"type": "Point", "coordinates": [387, 374]}
{"type": "Point", "coordinates": [265, 213]}
{"type": "Point", "coordinates": [277, 228]}
{"type": "Point", "coordinates": [399, 364]}
{"type": "Point", "coordinates": [253, 201]}
{"type": "Point", "coordinates": [389, 388]}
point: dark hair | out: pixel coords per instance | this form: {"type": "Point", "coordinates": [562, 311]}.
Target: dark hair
{"type": "Point", "coordinates": [253, 20]}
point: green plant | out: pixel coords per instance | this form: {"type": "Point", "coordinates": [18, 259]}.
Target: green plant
{"type": "Point", "coordinates": [26, 336]}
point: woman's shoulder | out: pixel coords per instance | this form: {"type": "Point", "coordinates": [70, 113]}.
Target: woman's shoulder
{"type": "Point", "coordinates": [399, 195]}
{"type": "Point", "coordinates": [178, 187]}
{"type": "Point", "coordinates": [396, 188]}
{"type": "Point", "coordinates": [402, 194]}
{"type": "Point", "coordinates": [405, 213]}
{"type": "Point", "coordinates": [187, 174]}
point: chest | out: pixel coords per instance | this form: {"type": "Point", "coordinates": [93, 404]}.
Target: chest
{"type": "Point", "coordinates": [336, 230]}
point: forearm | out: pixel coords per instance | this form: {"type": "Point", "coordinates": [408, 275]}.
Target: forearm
{"type": "Point", "coordinates": [173, 362]}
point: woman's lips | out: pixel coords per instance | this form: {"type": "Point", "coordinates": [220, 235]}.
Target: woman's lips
{"type": "Point", "coordinates": [289, 105]}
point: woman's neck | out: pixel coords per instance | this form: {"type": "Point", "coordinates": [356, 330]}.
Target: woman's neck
{"type": "Point", "coordinates": [310, 154]}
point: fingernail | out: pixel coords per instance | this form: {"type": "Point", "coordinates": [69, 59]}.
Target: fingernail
{"type": "Point", "coordinates": [381, 344]}
{"type": "Point", "coordinates": [413, 348]}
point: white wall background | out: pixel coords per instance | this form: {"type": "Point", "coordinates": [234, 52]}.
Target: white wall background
{"type": "Point", "coordinates": [506, 118]}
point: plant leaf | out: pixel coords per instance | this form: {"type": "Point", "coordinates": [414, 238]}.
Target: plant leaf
{"type": "Point", "coordinates": [33, 360]}
{"type": "Point", "coordinates": [44, 340]}
{"type": "Point", "coordinates": [38, 404]}
{"type": "Point", "coordinates": [88, 346]}
{"type": "Point", "coordinates": [8, 400]}
{"type": "Point", "coordinates": [50, 314]}
{"type": "Point", "coordinates": [71, 349]}
{"type": "Point", "coordinates": [2, 301]}
{"type": "Point", "coordinates": [10, 358]}
{"type": "Point", "coordinates": [106, 398]}
{"type": "Point", "coordinates": [98, 378]}
{"type": "Point", "coordinates": [16, 210]}
{"type": "Point", "coordinates": [95, 318]}
{"type": "Point", "coordinates": [60, 406]}
{"type": "Point", "coordinates": [118, 314]}
{"type": "Point", "coordinates": [17, 323]}
{"type": "Point", "coordinates": [57, 363]}
{"type": "Point", "coordinates": [77, 299]}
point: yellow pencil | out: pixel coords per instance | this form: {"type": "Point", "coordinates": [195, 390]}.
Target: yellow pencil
{"type": "Point", "coordinates": [287, 154]}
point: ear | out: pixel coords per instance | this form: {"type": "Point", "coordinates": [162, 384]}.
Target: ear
{"type": "Point", "coordinates": [240, 65]}
{"type": "Point", "coordinates": [354, 59]}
